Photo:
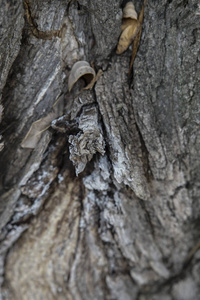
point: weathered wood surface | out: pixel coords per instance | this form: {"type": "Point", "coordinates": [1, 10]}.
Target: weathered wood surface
{"type": "Point", "coordinates": [127, 226]}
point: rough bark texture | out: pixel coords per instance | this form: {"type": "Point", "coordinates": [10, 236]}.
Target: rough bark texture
{"type": "Point", "coordinates": [104, 204]}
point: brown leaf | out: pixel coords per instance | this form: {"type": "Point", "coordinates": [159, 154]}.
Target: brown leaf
{"type": "Point", "coordinates": [126, 23]}
{"type": "Point", "coordinates": [131, 28]}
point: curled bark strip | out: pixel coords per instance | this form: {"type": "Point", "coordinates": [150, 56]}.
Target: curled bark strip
{"type": "Point", "coordinates": [81, 69]}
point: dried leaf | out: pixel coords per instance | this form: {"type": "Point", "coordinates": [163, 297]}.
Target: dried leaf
{"type": "Point", "coordinates": [126, 23]}
{"type": "Point", "coordinates": [38, 127]}
{"type": "Point", "coordinates": [131, 29]}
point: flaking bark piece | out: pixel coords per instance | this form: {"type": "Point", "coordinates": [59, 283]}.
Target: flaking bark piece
{"type": "Point", "coordinates": [89, 141]}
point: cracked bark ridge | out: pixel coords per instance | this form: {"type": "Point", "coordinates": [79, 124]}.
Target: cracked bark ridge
{"type": "Point", "coordinates": [37, 95]}
{"type": "Point", "coordinates": [93, 236]}
{"type": "Point", "coordinates": [115, 104]}
{"type": "Point", "coordinates": [10, 13]}
{"type": "Point", "coordinates": [104, 28]}
{"type": "Point", "coordinates": [1, 116]}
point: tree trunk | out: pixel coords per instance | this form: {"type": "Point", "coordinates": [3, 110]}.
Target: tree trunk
{"type": "Point", "coordinates": [100, 186]}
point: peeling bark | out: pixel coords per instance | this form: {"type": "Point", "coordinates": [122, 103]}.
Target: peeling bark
{"type": "Point", "coordinates": [103, 200]}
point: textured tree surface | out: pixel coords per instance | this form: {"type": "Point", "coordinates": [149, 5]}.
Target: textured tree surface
{"type": "Point", "coordinates": [100, 187]}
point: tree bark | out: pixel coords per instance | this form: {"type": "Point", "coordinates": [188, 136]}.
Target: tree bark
{"type": "Point", "coordinates": [99, 187]}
